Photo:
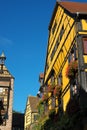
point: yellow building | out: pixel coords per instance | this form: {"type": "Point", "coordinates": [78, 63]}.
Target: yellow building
{"type": "Point", "coordinates": [67, 44]}
{"type": "Point", "coordinates": [31, 112]}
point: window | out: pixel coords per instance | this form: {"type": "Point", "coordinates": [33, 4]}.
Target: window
{"type": "Point", "coordinates": [35, 117]}
{"type": "Point", "coordinates": [74, 87]}
{"type": "Point", "coordinates": [54, 27]}
{"type": "Point", "coordinates": [72, 55]}
{"type": "Point", "coordinates": [60, 79]}
{"type": "Point", "coordinates": [85, 46]}
{"type": "Point", "coordinates": [4, 102]}
{"type": "Point", "coordinates": [52, 79]}
{"type": "Point", "coordinates": [57, 44]}
{"type": "Point", "coordinates": [52, 54]}
{"type": "Point", "coordinates": [61, 32]}
{"type": "Point", "coordinates": [54, 49]}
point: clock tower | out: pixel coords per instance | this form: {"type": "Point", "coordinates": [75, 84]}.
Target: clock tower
{"type": "Point", "coordinates": [6, 95]}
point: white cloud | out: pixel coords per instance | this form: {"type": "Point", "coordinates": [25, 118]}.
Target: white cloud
{"type": "Point", "coordinates": [5, 41]}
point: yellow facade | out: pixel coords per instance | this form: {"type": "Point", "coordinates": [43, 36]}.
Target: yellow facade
{"type": "Point", "coordinates": [27, 116]}
{"type": "Point", "coordinates": [63, 36]}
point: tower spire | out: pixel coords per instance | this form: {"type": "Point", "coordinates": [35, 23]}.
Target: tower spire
{"type": "Point", "coordinates": [2, 58]}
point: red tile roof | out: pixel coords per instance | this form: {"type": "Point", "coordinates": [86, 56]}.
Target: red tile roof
{"type": "Point", "coordinates": [74, 7]}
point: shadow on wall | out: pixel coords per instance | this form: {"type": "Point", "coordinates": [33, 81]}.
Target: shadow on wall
{"type": "Point", "coordinates": [77, 110]}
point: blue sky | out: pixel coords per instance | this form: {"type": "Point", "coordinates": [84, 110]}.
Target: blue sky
{"type": "Point", "coordinates": [23, 38]}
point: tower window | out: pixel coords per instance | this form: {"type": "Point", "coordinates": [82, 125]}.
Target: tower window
{"type": "Point", "coordinates": [85, 46]}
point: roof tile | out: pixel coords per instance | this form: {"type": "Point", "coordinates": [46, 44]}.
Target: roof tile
{"type": "Point", "coordinates": [33, 103]}
{"type": "Point", "coordinates": [74, 7]}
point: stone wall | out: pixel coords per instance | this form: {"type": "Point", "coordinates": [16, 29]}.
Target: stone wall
{"type": "Point", "coordinates": [8, 125]}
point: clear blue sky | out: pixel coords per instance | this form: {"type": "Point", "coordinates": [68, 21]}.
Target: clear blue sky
{"type": "Point", "coordinates": [23, 37]}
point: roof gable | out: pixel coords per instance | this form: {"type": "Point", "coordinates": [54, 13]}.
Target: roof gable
{"type": "Point", "coordinates": [4, 72]}
{"type": "Point", "coordinates": [33, 101]}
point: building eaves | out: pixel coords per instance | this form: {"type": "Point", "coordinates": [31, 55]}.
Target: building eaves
{"type": "Point", "coordinates": [71, 7]}
{"type": "Point", "coordinates": [74, 7]}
